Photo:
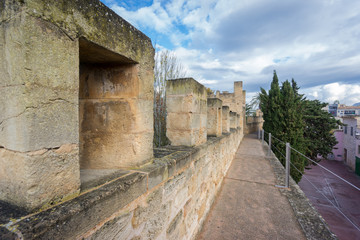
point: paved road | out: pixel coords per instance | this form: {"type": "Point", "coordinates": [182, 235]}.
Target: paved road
{"type": "Point", "coordinates": [333, 194]}
{"type": "Point", "coordinates": [249, 206]}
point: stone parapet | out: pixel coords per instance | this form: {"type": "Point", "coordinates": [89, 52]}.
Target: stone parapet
{"type": "Point", "coordinates": [76, 90]}
{"type": "Point", "coordinates": [225, 119]}
{"type": "Point", "coordinates": [186, 105]}
{"type": "Point", "coordinates": [168, 199]}
{"type": "Point", "coordinates": [214, 117]}
{"type": "Point", "coordinates": [253, 124]}
{"type": "Point", "coordinates": [236, 102]}
{"type": "Point", "coordinates": [238, 121]}
{"type": "Point", "coordinates": [233, 118]}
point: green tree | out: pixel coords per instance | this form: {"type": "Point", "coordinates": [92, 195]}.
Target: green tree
{"type": "Point", "coordinates": [318, 133]}
{"type": "Point", "coordinates": [270, 106]}
{"type": "Point", "coordinates": [249, 110]}
{"type": "Point", "coordinates": [300, 122]}
{"type": "Point", "coordinates": [292, 126]}
{"type": "Point", "coordinates": [282, 109]}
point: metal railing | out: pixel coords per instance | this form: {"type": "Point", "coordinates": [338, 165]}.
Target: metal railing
{"type": "Point", "coordinates": [288, 163]}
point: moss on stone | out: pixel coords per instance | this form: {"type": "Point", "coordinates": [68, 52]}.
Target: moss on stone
{"type": "Point", "coordinates": [93, 20]}
{"type": "Point", "coordinates": [186, 86]}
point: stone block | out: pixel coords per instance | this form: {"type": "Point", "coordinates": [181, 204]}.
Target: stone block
{"type": "Point", "coordinates": [238, 121]}
{"type": "Point", "coordinates": [233, 120]}
{"type": "Point", "coordinates": [186, 107]}
{"type": "Point", "coordinates": [176, 228]}
{"type": "Point", "coordinates": [214, 117]}
{"type": "Point", "coordinates": [31, 179]}
{"type": "Point", "coordinates": [225, 119]}
{"type": "Point", "coordinates": [182, 158]}
{"type": "Point", "coordinates": [145, 211]}
{"type": "Point", "coordinates": [55, 55]}
{"type": "Point", "coordinates": [91, 178]}
{"type": "Point", "coordinates": [39, 95]}
{"type": "Point", "coordinates": [186, 123]}
{"type": "Point", "coordinates": [156, 173]}
{"type": "Point", "coordinates": [170, 164]}
{"type": "Point", "coordinates": [117, 228]}
{"type": "Point", "coordinates": [172, 185]}
{"type": "Point", "coordinates": [80, 215]}
{"type": "Point", "coordinates": [108, 129]}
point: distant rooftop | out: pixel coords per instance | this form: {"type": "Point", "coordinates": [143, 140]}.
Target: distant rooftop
{"type": "Point", "coordinates": [349, 107]}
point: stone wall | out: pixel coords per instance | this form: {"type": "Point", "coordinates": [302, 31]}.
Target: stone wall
{"type": "Point", "coordinates": [76, 154]}
{"type": "Point", "coordinates": [186, 104]}
{"type": "Point", "coordinates": [254, 123]}
{"type": "Point", "coordinates": [225, 119]}
{"type": "Point", "coordinates": [214, 117]}
{"type": "Point", "coordinates": [236, 103]}
{"type": "Point", "coordinates": [168, 199]}
{"type": "Point", "coordinates": [70, 72]}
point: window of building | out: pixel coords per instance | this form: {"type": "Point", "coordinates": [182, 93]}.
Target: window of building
{"type": "Point", "coordinates": [345, 129]}
{"type": "Point", "coordinates": [358, 149]}
{"type": "Point", "coordinates": [352, 131]}
{"type": "Point", "coordinates": [350, 112]}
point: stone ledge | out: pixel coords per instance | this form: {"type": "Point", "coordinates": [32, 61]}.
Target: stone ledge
{"type": "Point", "coordinates": [311, 222]}
{"type": "Point", "coordinates": [82, 213]}
{"type": "Point", "coordinates": [91, 178]}
{"type": "Point", "coordinates": [102, 196]}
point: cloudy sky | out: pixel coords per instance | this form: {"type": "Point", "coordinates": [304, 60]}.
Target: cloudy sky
{"type": "Point", "coordinates": [316, 42]}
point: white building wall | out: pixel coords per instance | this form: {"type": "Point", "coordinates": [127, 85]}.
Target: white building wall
{"type": "Point", "coordinates": [350, 140]}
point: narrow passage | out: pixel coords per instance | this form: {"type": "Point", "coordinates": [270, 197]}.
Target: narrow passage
{"type": "Point", "coordinates": [249, 206]}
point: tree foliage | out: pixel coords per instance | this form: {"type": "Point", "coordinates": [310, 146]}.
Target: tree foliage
{"type": "Point", "coordinates": [292, 118]}
{"type": "Point", "coordinates": [166, 67]}
{"type": "Point", "coordinates": [319, 138]}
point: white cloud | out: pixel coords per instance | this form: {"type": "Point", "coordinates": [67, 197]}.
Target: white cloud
{"type": "Point", "coordinates": [221, 41]}
{"type": "Point", "coordinates": [152, 17]}
{"type": "Point", "coordinates": [345, 93]}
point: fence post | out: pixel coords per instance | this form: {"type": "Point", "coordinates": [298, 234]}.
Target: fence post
{"type": "Point", "coordinates": [258, 132]}
{"type": "Point", "coordinates": [287, 173]}
{"type": "Point", "coordinates": [269, 150]}
{"type": "Point", "coordinates": [262, 136]}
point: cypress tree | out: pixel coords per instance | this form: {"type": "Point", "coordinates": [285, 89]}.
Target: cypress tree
{"type": "Point", "coordinates": [270, 105]}
{"type": "Point", "coordinates": [292, 126]}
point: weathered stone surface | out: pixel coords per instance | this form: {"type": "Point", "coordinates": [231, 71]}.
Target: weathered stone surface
{"type": "Point", "coordinates": [176, 228]}
{"type": "Point", "coordinates": [152, 204]}
{"type": "Point", "coordinates": [225, 119]}
{"type": "Point", "coordinates": [9, 211]}
{"type": "Point", "coordinates": [156, 173]}
{"type": "Point", "coordinates": [39, 95]}
{"type": "Point", "coordinates": [233, 120]}
{"type": "Point", "coordinates": [30, 179]}
{"type": "Point", "coordinates": [59, 57]}
{"type": "Point", "coordinates": [95, 177]}
{"type": "Point", "coordinates": [125, 208]}
{"type": "Point", "coordinates": [236, 102]}
{"type": "Point", "coordinates": [144, 215]}
{"type": "Point", "coordinates": [118, 228]}
{"type": "Point", "coordinates": [238, 121]}
{"type": "Point", "coordinates": [186, 104]}
{"type": "Point", "coordinates": [109, 129]}
{"type": "Point", "coordinates": [81, 214]}
{"type": "Point", "coordinates": [214, 117]}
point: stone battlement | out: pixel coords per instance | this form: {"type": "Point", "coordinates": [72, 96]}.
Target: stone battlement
{"type": "Point", "coordinates": [76, 130]}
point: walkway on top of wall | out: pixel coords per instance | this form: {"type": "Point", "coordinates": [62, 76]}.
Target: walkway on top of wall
{"type": "Point", "coordinates": [249, 206]}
